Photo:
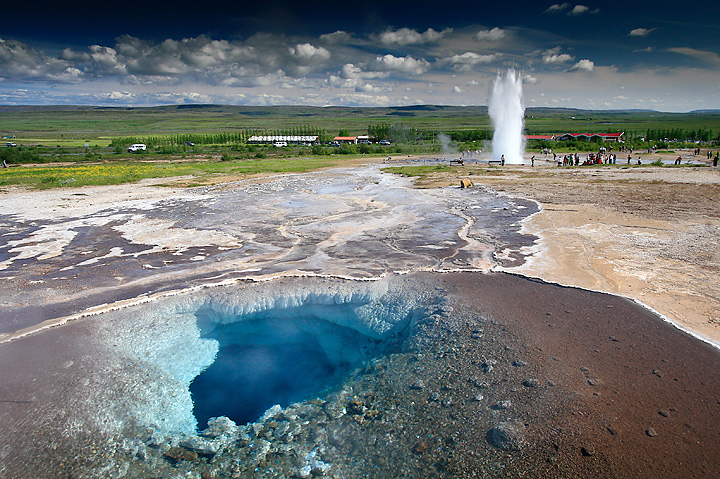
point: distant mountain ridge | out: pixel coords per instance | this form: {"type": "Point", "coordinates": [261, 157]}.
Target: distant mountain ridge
{"type": "Point", "coordinates": [342, 111]}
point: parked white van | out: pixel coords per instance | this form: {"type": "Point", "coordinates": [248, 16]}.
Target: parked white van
{"type": "Point", "coordinates": [278, 144]}
{"type": "Point", "coordinates": [137, 147]}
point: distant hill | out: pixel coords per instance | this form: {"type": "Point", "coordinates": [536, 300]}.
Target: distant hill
{"type": "Point", "coordinates": [418, 111]}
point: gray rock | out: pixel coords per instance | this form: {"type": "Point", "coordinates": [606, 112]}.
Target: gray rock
{"type": "Point", "coordinates": [220, 426]}
{"type": "Point", "coordinates": [419, 384]}
{"type": "Point", "coordinates": [200, 445]}
{"type": "Point", "coordinates": [508, 435]}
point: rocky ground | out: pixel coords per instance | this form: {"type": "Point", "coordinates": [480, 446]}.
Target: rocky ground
{"type": "Point", "coordinates": [647, 233]}
{"type": "Point", "coordinates": [565, 382]}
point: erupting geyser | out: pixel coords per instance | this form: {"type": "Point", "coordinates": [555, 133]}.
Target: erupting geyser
{"type": "Point", "coordinates": [507, 112]}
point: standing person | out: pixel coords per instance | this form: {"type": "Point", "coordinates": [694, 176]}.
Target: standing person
{"type": "Point", "coordinates": [532, 160]}
{"type": "Point", "coordinates": [502, 160]}
{"type": "Point", "coordinates": [715, 160]}
{"type": "Point", "coordinates": [629, 158]}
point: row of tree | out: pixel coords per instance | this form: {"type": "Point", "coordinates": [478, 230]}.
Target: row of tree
{"type": "Point", "coordinates": [679, 134]}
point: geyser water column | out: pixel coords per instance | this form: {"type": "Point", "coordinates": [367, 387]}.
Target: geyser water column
{"type": "Point", "coordinates": [507, 112]}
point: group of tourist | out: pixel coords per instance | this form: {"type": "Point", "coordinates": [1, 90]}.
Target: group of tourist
{"type": "Point", "coordinates": [600, 158]}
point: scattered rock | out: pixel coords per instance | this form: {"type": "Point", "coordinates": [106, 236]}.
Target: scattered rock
{"type": "Point", "coordinates": [587, 450]}
{"type": "Point", "coordinates": [488, 365]}
{"type": "Point", "coordinates": [508, 435]}
{"type": "Point", "coordinates": [478, 397]}
{"type": "Point", "coordinates": [594, 382]}
{"type": "Point", "coordinates": [664, 413]}
{"type": "Point", "coordinates": [519, 363]}
{"type": "Point", "coordinates": [530, 383]}
{"type": "Point", "coordinates": [200, 445]}
{"type": "Point", "coordinates": [651, 432]}
{"type": "Point", "coordinates": [220, 426]}
{"type": "Point", "coordinates": [180, 454]}
{"type": "Point", "coordinates": [420, 447]}
{"type": "Point", "coordinates": [502, 405]}
{"type": "Point", "coordinates": [419, 384]}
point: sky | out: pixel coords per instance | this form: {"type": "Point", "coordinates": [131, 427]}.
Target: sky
{"type": "Point", "coordinates": [609, 54]}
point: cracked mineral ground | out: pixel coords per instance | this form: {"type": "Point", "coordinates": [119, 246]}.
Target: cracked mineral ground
{"type": "Point", "coordinates": [336, 324]}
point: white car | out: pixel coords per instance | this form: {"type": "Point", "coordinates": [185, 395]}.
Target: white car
{"type": "Point", "coordinates": [137, 147]}
{"type": "Point", "coordinates": [279, 144]}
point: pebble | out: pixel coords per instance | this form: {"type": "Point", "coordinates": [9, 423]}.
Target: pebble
{"type": "Point", "coordinates": [508, 435]}
{"type": "Point", "coordinates": [488, 365]}
{"type": "Point", "coordinates": [530, 383]}
{"type": "Point", "coordinates": [504, 404]}
{"type": "Point", "coordinates": [420, 447]}
{"type": "Point", "coordinates": [181, 454]}
{"type": "Point", "coordinates": [651, 432]}
{"type": "Point", "coordinates": [664, 413]}
{"type": "Point", "coordinates": [419, 384]}
{"type": "Point", "coordinates": [587, 450]}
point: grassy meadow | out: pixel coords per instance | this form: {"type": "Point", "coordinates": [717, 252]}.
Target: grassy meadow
{"type": "Point", "coordinates": [74, 146]}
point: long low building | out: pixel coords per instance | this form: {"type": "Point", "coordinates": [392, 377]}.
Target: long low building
{"type": "Point", "coordinates": [579, 136]}
{"type": "Point", "coordinates": [590, 136]}
{"type": "Point", "coordinates": [298, 139]}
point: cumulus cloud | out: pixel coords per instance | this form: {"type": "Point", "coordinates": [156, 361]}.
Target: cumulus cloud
{"type": "Point", "coordinates": [369, 88]}
{"type": "Point", "coordinates": [640, 32]}
{"type": "Point", "coordinates": [466, 61]}
{"type": "Point", "coordinates": [558, 8]}
{"type": "Point", "coordinates": [569, 9]}
{"type": "Point", "coordinates": [19, 61]}
{"type": "Point", "coordinates": [457, 89]}
{"type": "Point", "coordinates": [335, 38]}
{"type": "Point", "coordinates": [584, 66]}
{"type": "Point", "coordinates": [308, 52]}
{"type": "Point", "coordinates": [492, 35]}
{"type": "Point", "coordinates": [406, 64]}
{"type": "Point", "coordinates": [351, 71]}
{"type": "Point", "coordinates": [529, 79]}
{"type": "Point", "coordinates": [407, 36]}
{"type": "Point", "coordinates": [553, 56]}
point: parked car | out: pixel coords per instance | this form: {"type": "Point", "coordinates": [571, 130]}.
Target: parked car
{"type": "Point", "coordinates": [279, 144]}
{"type": "Point", "coordinates": [189, 143]}
{"type": "Point", "coordinates": [384, 142]}
{"type": "Point", "coordinates": [135, 147]}
{"type": "Point", "coordinates": [11, 144]}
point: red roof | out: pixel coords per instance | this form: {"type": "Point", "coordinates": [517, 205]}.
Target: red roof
{"type": "Point", "coordinates": [539, 137]}
{"type": "Point", "coordinates": [345, 138]}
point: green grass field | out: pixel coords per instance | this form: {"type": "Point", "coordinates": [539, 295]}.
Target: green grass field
{"type": "Point", "coordinates": [202, 172]}
{"type": "Point", "coordinates": [96, 125]}
{"type": "Point", "coordinates": [59, 135]}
